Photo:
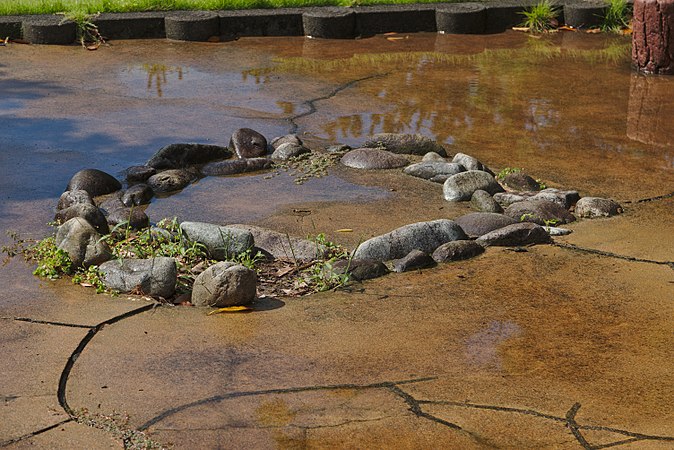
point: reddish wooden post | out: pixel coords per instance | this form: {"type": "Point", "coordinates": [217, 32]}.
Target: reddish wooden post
{"type": "Point", "coordinates": [653, 36]}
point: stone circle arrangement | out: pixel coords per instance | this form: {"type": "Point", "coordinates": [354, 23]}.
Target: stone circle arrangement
{"type": "Point", "coordinates": [512, 209]}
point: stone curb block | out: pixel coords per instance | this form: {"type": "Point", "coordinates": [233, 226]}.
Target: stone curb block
{"type": "Point", "coordinates": [585, 15]}
{"type": "Point", "coordinates": [192, 25]}
{"type": "Point", "coordinates": [49, 30]}
{"type": "Point", "coordinates": [140, 25]}
{"type": "Point", "coordinates": [262, 22]}
{"type": "Point", "coordinates": [371, 20]}
{"type": "Point", "coordinates": [330, 23]}
{"type": "Point", "coordinates": [461, 18]}
{"type": "Point", "coordinates": [10, 26]}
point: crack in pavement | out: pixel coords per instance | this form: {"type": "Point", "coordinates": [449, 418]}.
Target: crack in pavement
{"type": "Point", "coordinates": [47, 322]}
{"type": "Point", "coordinates": [311, 104]}
{"type": "Point", "coordinates": [569, 420]}
{"type": "Point", "coordinates": [651, 199]}
{"type": "Point", "coordinates": [277, 427]}
{"type": "Point", "coordinates": [593, 251]}
{"type": "Point", "coordinates": [34, 433]}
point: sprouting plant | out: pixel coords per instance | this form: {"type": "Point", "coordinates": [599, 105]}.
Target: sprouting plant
{"type": "Point", "coordinates": [541, 184]}
{"type": "Point", "coordinates": [248, 259]}
{"type": "Point", "coordinates": [617, 16]}
{"type": "Point", "coordinates": [323, 276]}
{"type": "Point", "coordinates": [91, 276]}
{"type": "Point", "coordinates": [87, 31]}
{"type": "Point", "coordinates": [507, 171]}
{"type": "Point", "coordinates": [52, 262]}
{"type": "Point", "coordinates": [541, 17]}
{"type": "Point", "coordinates": [526, 216]}
{"type": "Point", "coordinates": [550, 222]}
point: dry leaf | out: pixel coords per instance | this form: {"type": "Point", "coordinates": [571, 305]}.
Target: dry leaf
{"type": "Point", "coordinates": [394, 38]}
{"type": "Point", "coordinates": [593, 31]}
{"type": "Point", "coordinates": [214, 39]}
{"type": "Point", "coordinates": [282, 272]}
{"type": "Point", "coordinates": [567, 28]}
{"type": "Point", "coordinates": [525, 29]}
{"type": "Point", "coordinates": [391, 33]}
{"type": "Point", "coordinates": [345, 230]}
{"type": "Point", "coordinates": [230, 309]}
{"type": "Point", "coordinates": [86, 284]}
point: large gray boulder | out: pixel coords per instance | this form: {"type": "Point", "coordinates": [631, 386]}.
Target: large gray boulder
{"type": "Point", "coordinates": [86, 211]}
{"type": "Point", "coordinates": [424, 236]}
{"type": "Point", "coordinates": [524, 233]}
{"type": "Point", "coordinates": [431, 169]}
{"type": "Point", "coordinates": [170, 180]}
{"type": "Point", "coordinates": [432, 156]}
{"type": "Point", "coordinates": [457, 250]}
{"type": "Point", "coordinates": [506, 199]}
{"type": "Point", "coordinates": [479, 223]}
{"type": "Point", "coordinates": [283, 246]}
{"type": "Point", "coordinates": [373, 158]}
{"type": "Point", "coordinates": [482, 201]}
{"type": "Point", "coordinates": [592, 207]}
{"type": "Point", "coordinates": [470, 163]}
{"type": "Point", "coordinates": [222, 242]}
{"type": "Point", "coordinates": [180, 156]}
{"type": "Point", "coordinates": [156, 277]}
{"type": "Point", "coordinates": [70, 198]}
{"type": "Point", "coordinates": [460, 187]}
{"type": "Point", "coordinates": [82, 243]}
{"type": "Point", "coordinates": [247, 143]}
{"type": "Point", "coordinates": [94, 181]}
{"type": "Point", "coordinates": [224, 284]}
{"type": "Point", "coordinates": [541, 212]}
{"type": "Point", "coordinates": [235, 166]}
{"type": "Point", "coordinates": [413, 144]}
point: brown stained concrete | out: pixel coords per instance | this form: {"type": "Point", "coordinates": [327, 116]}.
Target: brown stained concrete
{"type": "Point", "coordinates": [548, 348]}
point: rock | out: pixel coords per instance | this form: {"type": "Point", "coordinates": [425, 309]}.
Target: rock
{"type": "Point", "coordinates": [556, 231]}
{"type": "Point", "coordinates": [432, 156]}
{"type": "Point", "coordinates": [470, 163]}
{"type": "Point", "coordinates": [282, 246]}
{"type": "Point", "coordinates": [431, 169]}
{"type": "Point", "coordinates": [138, 194]}
{"type": "Point", "coordinates": [541, 212]}
{"type": "Point", "coordinates": [82, 243]}
{"type": "Point", "coordinates": [222, 242]}
{"type": "Point", "coordinates": [86, 211]}
{"type": "Point", "coordinates": [440, 179]}
{"type": "Point", "coordinates": [224, 284]}
{"type": "Point", "coordinates": [338, 148]}
{"type": "Point", "coordinates": [424, 236]}
{"type": "Point", "coordinates": [170, 180]}
{"type": "Point", "coordinates": [524, 233]}
{"type": "Point", "coordinates": [236, 166]}
{"type": "Point", "coordinates": [415, 259]}
{"type": "Point", "coordinates": [477, 224]}
{"type": "Point", "coordinates": [520, 181]}
{"type": "Point", "coordinates": [457, 250]}
{"type": "Point", "coordinates": [117, 214]}
{"type": "Point", "coordinates": [506, 199]}
{"type": "Point", "coordinates": [287, 151]}
{"type": "Point", "coordinates": [361, 269]}
{"type": "Point", "coordinates": [139, 174]}
{"type": "Point", "coordinates": [592, 207]}
{"type": "Point", "coordinates": [248, 143]}
{"type": "Point", "coordinates": [70, 198]}
{"type": "Point", "coordinates": [94, 181]}
{"type": "Point", "coordinates": [482, 201]}
{"type": "Point", "coordinates": [180, 156]}
{"type": "Point", "coordinates": [287, 139]}
{"type": "Point", "coordinates": [156, 277]}
{"type": "Point", "coordinates": [461, 186]}
{"type": "Point", "coordinates": [413, 144]}
{"type": "Point", "coordinates": [565, 199]}
{"type": "Point", "coordinates": [373, 158]}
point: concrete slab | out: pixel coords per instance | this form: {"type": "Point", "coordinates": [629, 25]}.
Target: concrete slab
{"type": "Point", "coordinates": [69, 436]}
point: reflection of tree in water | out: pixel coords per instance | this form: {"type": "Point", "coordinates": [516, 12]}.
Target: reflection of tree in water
{"type": "Point", "coordinates": [518, 95]}
{"type": "Point", "coordinates": [157, 76]}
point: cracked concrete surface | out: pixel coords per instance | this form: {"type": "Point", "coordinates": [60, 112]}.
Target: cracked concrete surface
{"type": "Point", "coordinates": [554, 347]}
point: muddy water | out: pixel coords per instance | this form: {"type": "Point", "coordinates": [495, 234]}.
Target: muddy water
{"type": "Point", "coordinates": [537, 330]}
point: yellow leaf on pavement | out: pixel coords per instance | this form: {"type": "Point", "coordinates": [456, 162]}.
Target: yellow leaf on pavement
{"type": "Point", "coordinates": [230, 309]}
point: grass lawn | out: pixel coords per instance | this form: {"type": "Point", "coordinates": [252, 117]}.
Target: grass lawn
{"type": "Point", "coordinates": [13, 7]}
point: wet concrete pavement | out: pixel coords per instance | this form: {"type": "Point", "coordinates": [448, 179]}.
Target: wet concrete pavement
{"type": "Point", "coordinates": [556, 347]}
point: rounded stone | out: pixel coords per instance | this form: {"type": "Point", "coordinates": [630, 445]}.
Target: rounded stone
{"type": "Point", "coordinates": [457, 250]}
{"type": "Point", "coordinates": [170, 180]}
{"type": "Point", "coordinates": [592, 207]}
{"type": "Point", "coordinates": [483, 202]}
{"type": "Point", "coordinates": [412, 144]}
{"type": "Point", "coordinates": [520, 181]}
{"type": "Point", "coordinates": [460, 187]}
{"type": "Point", "coordinates": [224, 284]}
{"type": "Point", "coordinates": [138, 194]}
{"type": "Point", "coordinates": [247, 143]}
{"type": "Point", "coordinates": [70, 198]}
{"type": "Point", "coordinates": [139, 174]}
{"type": "Point", "coordinates": [541, 212]}
{"type": "Point", "coordinates": [95, 182]}
{"type": "Point", "coordinates": [86, 211]}
{"type": "Point", "coordinates": [480, 223]}
{"type": "Point", "coordinates": [373, 158]}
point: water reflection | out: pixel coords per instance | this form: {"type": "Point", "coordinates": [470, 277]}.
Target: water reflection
{"type": "Point", "coordinates": [157, 76]}
{"type": "Point", "coordinates": [482, 347]}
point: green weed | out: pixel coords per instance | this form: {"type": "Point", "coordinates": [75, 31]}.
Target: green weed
{"type": "Point", "coordinates": [541, 17]}
{"type": "Point", "coordinates": [617, 16]}
{"type": "Point", "coordinates": [507, 171]}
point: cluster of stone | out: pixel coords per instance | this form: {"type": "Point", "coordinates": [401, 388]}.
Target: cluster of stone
{"type": "Point", "coordinates": [512, 212]}
{"type": "Point", "coordinates": [95, 202]}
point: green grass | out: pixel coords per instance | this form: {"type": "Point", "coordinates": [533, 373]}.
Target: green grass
{"type": "Point", "coordinates": [15, 7]}
{"type": "Point", "coordinates": [617, 16]}
{"type": "Point", "coordinates": [541, 17]}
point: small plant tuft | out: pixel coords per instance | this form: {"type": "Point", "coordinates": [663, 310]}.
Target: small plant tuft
{"type": "Point", "coordinates": [541, 17]}
{"type": "Point", "coordinates": [507, 171]}
{"type": "Point", "coordinates": [617, 16]}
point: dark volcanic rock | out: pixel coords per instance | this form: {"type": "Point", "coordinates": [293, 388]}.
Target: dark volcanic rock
{"type": "Point", "coordinates": [139, 174]}
{"type": "Point", "coordinates": [477, 224]}
{"type": "Point", "coordinates": [86, 211]}
{"type": "Point", "coordinates": [524, 233]}
{"type": "Point", "coordinates": [539, 212]}
{"type": "Point", "coordinates": [235, 166]}
{"type": "Point", "coordinates": [170, 180]}
{"type": "Point", "coordinates": [247, 143]}
{"type": "Point", "coordinates": [520, 181]}
{"type": "Point", "coordinates": [416, 259]}
{"type": "Point", "coordinates": [373, 158]}
{"type": "Point", "coordinates": [95, 182]}
{"type": "Point", "coordinates": [180, 156]}
{"type": "Point", "coordinates": [70, 198]}
{"type": "Point", "coordinates": [457, 250]}
{"type": "Point", "coordinates": [413, 144]}
{"type": "Point", "coordinates": [138, 194]}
